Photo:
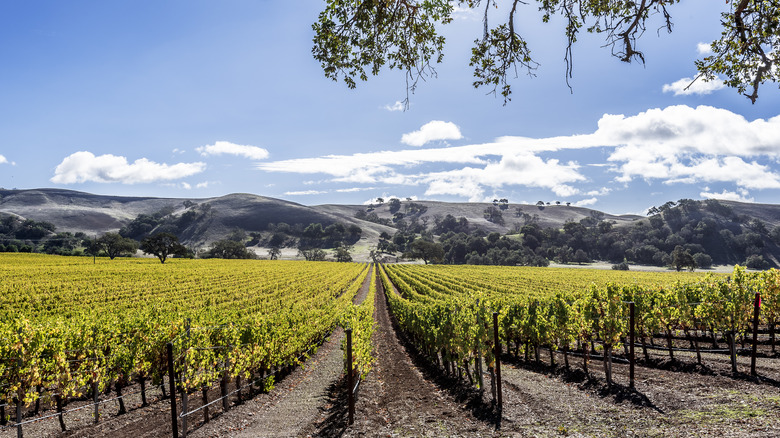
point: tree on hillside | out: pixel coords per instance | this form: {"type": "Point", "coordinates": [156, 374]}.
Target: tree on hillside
{"type": "Point", "coordinates": [394, 204]}
{"type": "Point", "coordinates": [312, 254]}
{"type": "Point", "coordinates": [353, 39]}
{"type": "Point", "coordinates": [274, 252]}
{"type": "Point", "coordinates": [162, 245]}
{"type": "Point", "coordinates": [229, 249]}
{"type": "Point", "coordinates": [425, 250]}
{"type": "Point", "coordinates": [343, 253]}
{"type": "Point", "coordinates": [682, 258]}
{"type": "Point", "coordinates": [114, 245]}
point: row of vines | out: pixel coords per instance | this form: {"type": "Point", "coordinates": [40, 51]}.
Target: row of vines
{"type": "Point", "coordinates": [69, 327]}
{"type": "Point", "coordinates": [447, 311]}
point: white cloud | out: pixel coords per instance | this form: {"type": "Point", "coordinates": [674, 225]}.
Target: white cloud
{"type": "Point", "coordinates": [3, 159]}
{"type": "Point", "coordinates": [178, 151]}
{"type": "Point", "coordinates": [355, 189]}
{"type": "Point", "coordinates": [601, 192]}
{"type": "Point", "coordinates": [84, 166]}
{"type": "Point", "coordinates": [432, 131]}
{"type": "Point", "coordinates": [464, 13]}
{"type": "Point", "coordinates": [688, 86]}
{"type": "Point", "coordinates": [740, 195]}
{"type": "Point", "coordinates": [202, 185]}
{"type": "Point", "coordinates": [397, 106]}
{"type": "Point", "coordinates": [305, 192]}
{"type": "Point", "coordinates": [585, 202]}
{"type": "Point", "coordinates": [684, 144]}
{"type": "Point", "coordinates": [704, 48]}
{"type": "Point", "coordinates": [519, 169]}
{"type": "Point", "coordinates": [186, 186]}
{"type": "Point", "coordinates": [677, 144]}
{"type": "Point", "coordinates": [227, 148]}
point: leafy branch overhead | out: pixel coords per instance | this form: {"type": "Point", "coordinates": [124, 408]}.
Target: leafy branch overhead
{"type": "Point", "coordinates": [356, 37]}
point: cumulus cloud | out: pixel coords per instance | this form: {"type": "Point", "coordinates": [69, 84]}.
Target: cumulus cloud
{"type": "Point", "coordinates": [84, 166]}
{"type": "Point", "coordinates": [517, 169]}
{"type": "Point", "coordinates": [677, 144]}
{"type": "Point", "coordinates": [601, 192]}
{"type": "Point", "coordinates": [305, 192]}
{"type": "Point", "coordinates": [704, 48]}
{"type": "Point", "coordinates": [586, 202]}
{"type": "Point", "coordinates": [3, 159]}
{"type": "Point", "coordinates": [227, 148]}
{"type": "Point", "coordinates": [684, 144]}
{"type": "Point", "coordinates": [432, 131]}
{"type": "Point", "coordinates": [739, 195]}
{"type": "Point", "coordinates": [355, 189]}
{"type": "Point", "coordinates": [688, 86]}
{"type": "Point", "coordinates": [464, 13]}
{"type": "Point", "coordinates": [397, 106]}
{"type": "Point", "coordinates": [202, 185]}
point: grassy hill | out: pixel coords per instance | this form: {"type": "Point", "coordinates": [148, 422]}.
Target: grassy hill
{"type": "Point", "coordinates": [726, 230]}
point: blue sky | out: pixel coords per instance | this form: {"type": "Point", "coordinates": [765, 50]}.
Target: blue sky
{"type": "Point", "coordinates": [201, 98]}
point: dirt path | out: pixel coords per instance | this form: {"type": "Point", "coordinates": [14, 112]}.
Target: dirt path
{"type": "Point", "coordinates": [396, 399]}
{"type": "Point", "coordinates": [295, 403]}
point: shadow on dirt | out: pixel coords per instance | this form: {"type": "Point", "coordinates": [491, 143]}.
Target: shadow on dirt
{"type": "Point", "coordinates": [584, 381]}
{"type": "Point", "coordinates": [335, 411]}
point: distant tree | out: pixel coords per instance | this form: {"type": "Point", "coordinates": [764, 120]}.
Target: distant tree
{"type": "Point", "coordinates": [237, 235]}
{"type": "Point", "coordinates": [380, 201]}
{"type": "Point", "coordinates": [622, 266]}
{"type": "Point", "coordinates": [581, 257]}
{"type": "Point", "coordinates": [354, 231]}
{"type": "Point", "coordinates": [557, 202]}
{"type": "Point", "coordinates": [756, 262]}
{"type": "Point", "coordinates": [343, 254]}
{"type": "Point", "coordinates": [568, 204]}
{"type": "Point", "coordinates": [425, 250]}
{"type": "Point", "coordinates": [313, 231]}
{"type": "Point", "coordinates": [494, 215]}
{"type": "Point", "coordinates": [702, 260]}
{"type": "Point", "coordinates": [274, 253]}
{"type": "Point", "coordinates": [277, 239]}
{"type": "Point", "coordinates": [682, 258]}
{"type": "Point", "coordinates": [32, 230]}
{"type": "Point", "coordinates": [312, 254]}
{"type": "Point", "coordinates": [394, 204]}
{"type": "Point", "coordinates": [162, 245]}
{"type": "Point", "coordinates": [115, 245]}
{"type": "Point", "coordinates": [229, 249]}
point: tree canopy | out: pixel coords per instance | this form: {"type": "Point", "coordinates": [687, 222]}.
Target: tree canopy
{"type": "Point", "coordinates": [163, 245]}
{"type": "Point", "coordinates": [115, 245]}
{"type": "Point", "coordinates": [355, 38]}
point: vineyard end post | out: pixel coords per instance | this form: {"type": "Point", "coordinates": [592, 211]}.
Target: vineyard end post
{"type": "Point", "coordinates": [497, 344]}
{"type": "Point", "coordinates": [350, 383]}
{"type": "Point", "coordinates": [756, 305]}
{"type": "Point", "coordinates": [19, 431]}
{"type": "Point", "coordinates": [172, 383]}
{"type": "Point", "coordinates": [631, 357]}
